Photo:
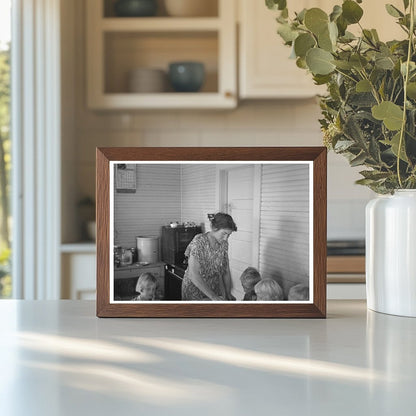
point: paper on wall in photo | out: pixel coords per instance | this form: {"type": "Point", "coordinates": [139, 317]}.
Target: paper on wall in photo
{"type": "Point", "coordinates": [126, 178]}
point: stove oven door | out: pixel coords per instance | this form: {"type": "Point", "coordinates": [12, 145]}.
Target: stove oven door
{"type": "Point", "coordinates": [173, 282]}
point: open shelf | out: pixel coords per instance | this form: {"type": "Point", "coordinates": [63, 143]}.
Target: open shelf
{"type": "Point", "coordinates": [127, 51]}
{"type": "Point", "coordinates": [116, 46]}
{"type": "Point", "coordinates": [160, 24]}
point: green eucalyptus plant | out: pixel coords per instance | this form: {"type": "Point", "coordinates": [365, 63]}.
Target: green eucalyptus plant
{"type": "Point", "coordinates": [369, 112]}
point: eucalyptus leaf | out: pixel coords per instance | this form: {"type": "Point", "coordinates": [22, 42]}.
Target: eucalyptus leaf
{"type": "Point", "coordinates": [336, 12]}
{"type": "Point", "coordinates": [325, 42]}
{"type": "Point", "coordinates": [319, 61]}
{"type": "Point", "coordinates": [333, 32]}
{"type": "Point", "coordinates": [411, 90]}
{"type": "Point", "coordinates": [301, 15]}
{"type": "Point", "coordinates": [281, 19]}
{"type": "Point", "coordinates": [316, 20]}
{"type": "Point", "coordinates": [384, 62]}
{"type": "Point", "coordinates": [374, 174]}
{"type": "Point", "coordinates": [345, 65]}
{"type": "Point", "coordinates": [358, 160]}
{"type": "Point", "coordinates": [321, 79]}
{"type": "Point", "coordinates": [375, 35]}
{"type": "Point", "coordinates": [358, 61]}
{"type": "Point", "coordinates": [412, 67]}
{"type": "Point", "coordinates": [301, 63]}
{"type": "Point", "coordinates": [354, 132]}
{"type": "Point", "coordinates": [393, 11]}
{"type": "Point", "coordinates": [391, 114]}
{"type": "Point", "coordinates": [342, 25]}
{"type": "Point", "coordinates": [303, 43]}
{"type": "Point", "coordinates": [347, 37]}
{"type": "Point", "coordinates": [363, 86]}
{"type": "Point", "coordinates": [287, 33]}
{"type": "Point", "coordinates": [374, 150]}
{"type": "Point", "coordinates": [369, 36]}
{"type": "Point", "coordinates": [365, 182]}
{"type": "Point", "coordinates": [276, 4]}
{"type": "Point", "coordinates": [343, 145]}
{"type": "Point", "coordinates": [351, 11]}
{"type": "Point", "coordinates": [394, 143]}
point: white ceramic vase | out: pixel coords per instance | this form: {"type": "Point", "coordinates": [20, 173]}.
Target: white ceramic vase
{"type": "Point", "coordinates": [391, 253]}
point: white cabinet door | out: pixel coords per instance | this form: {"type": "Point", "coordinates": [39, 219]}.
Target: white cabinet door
{"type": "Point", "coordinates": [78, 276]}
{"type": "Point", "coordinates": [265, 69]}
{"type": "Point", "coordinates": [264, 66]}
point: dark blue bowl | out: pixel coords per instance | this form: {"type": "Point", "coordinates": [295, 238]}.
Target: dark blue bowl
{"type": "Point", "coordinates": [135, 8]}
{"type": "Point", "coordinates": [186, 76]}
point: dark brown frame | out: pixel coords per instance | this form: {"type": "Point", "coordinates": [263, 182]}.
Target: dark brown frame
{"type": "Point", "coordinates": [317, 309]}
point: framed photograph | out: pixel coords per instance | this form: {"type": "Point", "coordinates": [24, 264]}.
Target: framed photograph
{"type": "Point", "coordinates": [211, 232]}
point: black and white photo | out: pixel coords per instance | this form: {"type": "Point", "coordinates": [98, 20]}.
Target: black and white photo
{"type": "Point", "coordinates": [191, 231]}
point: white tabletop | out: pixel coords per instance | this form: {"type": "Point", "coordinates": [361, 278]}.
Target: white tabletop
{"type": "Point", "coordinates": [57, 358]}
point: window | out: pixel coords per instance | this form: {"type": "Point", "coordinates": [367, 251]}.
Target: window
{"type": "Point", "coordinates": [5, 147]}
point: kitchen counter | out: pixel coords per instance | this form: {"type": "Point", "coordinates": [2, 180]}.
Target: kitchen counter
{"type": "Point", "coordinates": [135, 266]}
{"type": "Point", "coordinates": [57, 358]}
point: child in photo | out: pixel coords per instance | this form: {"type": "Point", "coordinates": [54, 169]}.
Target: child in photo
{"type": "Point", "coordinates": [268, 289]}
{"type": "Point", "coordinates": [298, 292]}
{"type": "Point", "coordinates": [249, 278]}
{"type": "Point", "coordinates": [146, 286]}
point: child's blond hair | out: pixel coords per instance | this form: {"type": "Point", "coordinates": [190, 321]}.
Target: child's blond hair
{"type": "Point", "coordinates": [299, 292]}
{"type": "Point", "coordinates": [144, 280]}
{"type": "Point", "coordinates": [268, 289]}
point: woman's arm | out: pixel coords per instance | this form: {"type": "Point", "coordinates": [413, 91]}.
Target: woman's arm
{"type": "Point", "coordinates": [198, 281]}
{"type": "Point", "coordinates": [227, 283]}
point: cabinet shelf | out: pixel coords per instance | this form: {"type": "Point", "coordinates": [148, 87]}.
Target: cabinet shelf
{"type": "Point", "coordinates": [160, 24]}
{"type": "Point", "coordinates": [197, 100]}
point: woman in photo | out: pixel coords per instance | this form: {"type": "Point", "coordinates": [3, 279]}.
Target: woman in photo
{"type": "Point", "coordinates": [208, 274]}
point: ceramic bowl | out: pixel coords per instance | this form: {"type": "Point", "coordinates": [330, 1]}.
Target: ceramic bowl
{"type": "Point", "coordinates": [186, 76]}
{"type": "Point", "coordinates": [191, 8]}
{"type": "Point", "coordinates": [135, 8]}
{"type": "Point", "coordinates": [147, 80]}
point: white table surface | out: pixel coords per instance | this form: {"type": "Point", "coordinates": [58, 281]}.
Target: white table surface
{"type": "Point", "coordinates": [57, 358]}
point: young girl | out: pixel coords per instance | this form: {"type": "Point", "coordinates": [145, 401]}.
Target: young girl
{"type": "Point", "coordinates": [268, 289]}
{"type": "Point", "coordinates": [146, 286]}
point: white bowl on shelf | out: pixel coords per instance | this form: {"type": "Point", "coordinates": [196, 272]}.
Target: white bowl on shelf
{"type": "Point", "coordinates": [191, 8]}
{"type": "Point", "coordinates": [147, 80]}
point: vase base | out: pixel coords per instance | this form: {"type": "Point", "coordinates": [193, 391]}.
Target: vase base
{"type": "Point", "coordinates": [393, 313]}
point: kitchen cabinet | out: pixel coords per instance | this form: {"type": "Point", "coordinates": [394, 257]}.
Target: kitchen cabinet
{"type": "Point", "coordinates": [78, 265]}
{"type": "Point", "coordinates": [125, 279]}
{"type": "Point", "coordinates": [265, 70]}
{"type": "Point", "coordinates": [118, 45]}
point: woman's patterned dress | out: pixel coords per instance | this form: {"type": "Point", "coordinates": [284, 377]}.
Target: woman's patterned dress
{"type": "Point", "coordinates": [213, 264]}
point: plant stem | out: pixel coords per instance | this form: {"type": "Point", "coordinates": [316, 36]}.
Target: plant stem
{"type": "Point", "coordinates": [346, 75]}
{"type": "Point", "coordinates": [405, 81]}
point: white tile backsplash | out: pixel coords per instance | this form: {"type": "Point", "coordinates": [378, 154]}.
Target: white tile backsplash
{"type": "Point", "coordinates": [257, 123]}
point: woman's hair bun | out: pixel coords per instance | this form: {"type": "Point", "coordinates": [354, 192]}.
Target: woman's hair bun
{"type": "Point", "coordinates": [222, 220]}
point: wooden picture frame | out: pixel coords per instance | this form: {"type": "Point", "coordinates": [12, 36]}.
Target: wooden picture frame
{"type": "Point", "coordinates": [311, 160]}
